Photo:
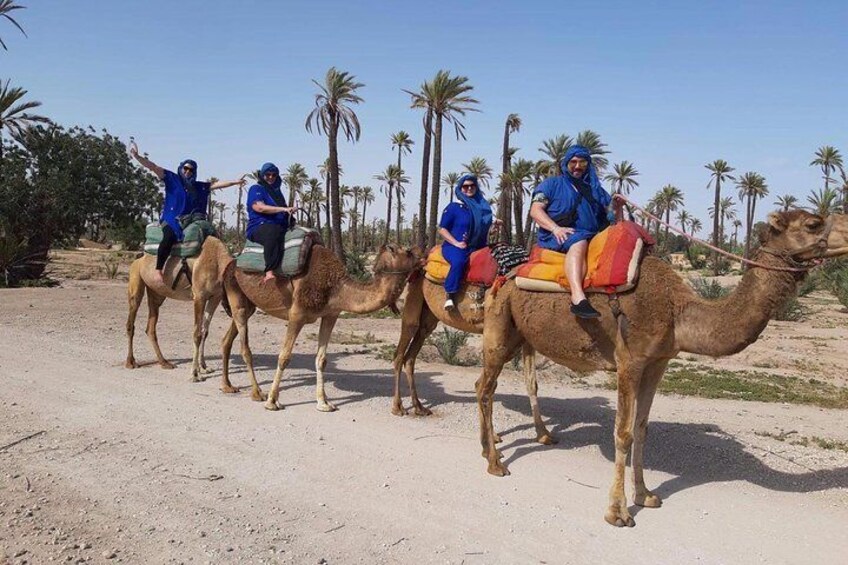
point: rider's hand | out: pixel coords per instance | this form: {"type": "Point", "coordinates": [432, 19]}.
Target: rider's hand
{"type": "Point", "coordinates": [461, 244]}
{"type": "Point", "coordinates": [561, 233]}
{"type": "Point", "coordinates": [133, 149]}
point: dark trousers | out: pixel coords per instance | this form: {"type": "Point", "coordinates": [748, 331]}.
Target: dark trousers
{"type": "Point", "coordinates": [272, 238]}
{"type": "Point", "coordinates": [169, 238]}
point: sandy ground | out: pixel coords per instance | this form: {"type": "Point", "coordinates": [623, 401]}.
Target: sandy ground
{"type": "Point", "coordinates": [142, 466]}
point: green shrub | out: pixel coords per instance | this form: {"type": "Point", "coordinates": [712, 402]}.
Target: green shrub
{"type": "Point", "coordinates": [111, 265]}
{"type": "Point", "coordinates": [808, 285]}
{"type": "Point", "coordinates": [448, 344]}
{"type": "Point", "coordinates": [709, 289]}
{"type": "Point", "coordinates": [356, 268]}
{"type": "Point", "coordinates": [791, 311]}
{"type": "Point", "coordinates": [834, 275]}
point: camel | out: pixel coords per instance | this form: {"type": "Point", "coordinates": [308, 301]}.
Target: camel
{"type": "Point", "coordinates": [324, 291]}
{"type": "Point", "coordinates": [204, 290]}
{"type": "Point", "coordinates": [646, 327]}
{"type": "Point", "coordinates": [422, 311]}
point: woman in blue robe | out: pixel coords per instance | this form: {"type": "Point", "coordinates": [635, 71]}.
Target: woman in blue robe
{"type": "Point", "coordinates": [186, 200]}
{"type": "Point", "coordinates": [268, 217]}
{"type": "Point", "coordinates": [570, 209]}
{"type": "Point", "coordinates": [465, 228]}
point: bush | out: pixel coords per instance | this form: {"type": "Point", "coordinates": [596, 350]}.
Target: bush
{"type": "Point", "coordinates": [791, 311]}
{"type": "Point", "coordinates": [709, 289]}
{"type": "Point", "coordinates": [355, 264]}
{"type": "Point", "coordinates": [834, 275]}
{"type": "Point", "coordinates": [448, 344]}
{"type": "Point", "coordinates": [808, 285]}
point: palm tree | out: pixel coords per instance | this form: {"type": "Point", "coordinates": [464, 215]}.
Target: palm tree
{"type": "Point", "coordinates": [669, 198]}
{"type": "Point", "coordinates": [786, 202]}
{"type": "Point", "coordinates": [737, 223]}
{"type": "Point", "coordinates": [449, 182]}
{"type": "Point", "coordinates": [725, 212]}
{"type": "Point", "coordinates": [13, 112]}
{"type": "Point", "coordinates": [623, 177]}
{"type": "Point", "coordinates": [314, 202]}
{"type": "Point", "coordinates": [210, 203]}
{"type": "Point", "coordinates": [513, 124]}
{"type": "Point", "coordinates": [331, 112]}
{"type": "Point", "coordinates": [221, 207]}
{"type": "Point", "coordinates": [7, 6]}
{"type": "Point", "coordinates": [448, 98]}
{"type": "Point", "coordinates": [520, 173]}
{"type": "Point", "coordinates": [829, 159]}
{"type": "Point", "coordinates": [421, 99]}
{"type": "Point", "coordinates": [752, 186]}
{"type": "Point", "coordinates": [694, 226]}
{"type": "Point", "coordinates": [404, 144]}
{"type": "Point", "coordinates": [295, 178]}
{"type": "Point", "coordinates": [823, 202]}
{"type": "Point", "coordinates": [719, 173]}
{"type": "Point", "coordinates": [683, 218]}
{"type": "Point", "coordinates": [844, 190]}
{"type": "Point", "coordinates": [391, 176]}
{"type": "Point", "coordinates": [479, 168]}
{"type": "Point", "coordinates": [555, 149]}
{"type": "Point", "coordinates": [367, 198]}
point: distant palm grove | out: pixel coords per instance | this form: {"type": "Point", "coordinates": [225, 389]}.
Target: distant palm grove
{"type": "Point", "coordinates": [33, 150]}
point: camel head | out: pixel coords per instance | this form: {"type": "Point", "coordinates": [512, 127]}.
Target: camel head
{"type": "Point", "coordinates": [804, 236]}
{"type": "Point", "coordinates": [395, 259]}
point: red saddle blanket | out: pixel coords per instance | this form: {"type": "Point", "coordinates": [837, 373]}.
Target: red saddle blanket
{"type": "Point", "coordinates": [613, 261]}
{"type": "Point", "coordinates": [482, 267]}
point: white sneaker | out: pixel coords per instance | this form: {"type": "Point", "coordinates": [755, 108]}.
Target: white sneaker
{"type": "Point", "coordinates": [449, 305]}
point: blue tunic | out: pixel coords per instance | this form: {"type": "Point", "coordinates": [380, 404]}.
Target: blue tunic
{"type": "Point", "coordinates": [181, 202]}
{"type": "Point", "coordinates": [456, 218]}
{"type": "Point", "coordinates": [561, 196]}
{"type": "Point", "coordinates": [259, 193]}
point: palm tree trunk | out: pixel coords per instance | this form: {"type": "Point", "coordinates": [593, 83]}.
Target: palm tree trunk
{"type": "Point", "coordinates": [528, 226]}
{"type": "Point", "coordinates": [716, 221]}
{"type": "Point", "coordinates": [362, 241]}
{"type": "Point", "coordinates": [238, 214]}
{"type": "Point", "coordinates": [434, 187]}
{"type": "Point", "coordinates": [425, 170]}
{"type": "Point", "coordinates": [504, 203]}
{"type": "Point", "coordinates": [752, 202]}
{"type": "Point", "coordinates": [398, 188]}
{"type": "Point", "coordinates": [336, 215]}
{"type": "Point", "coordinates": [667, 222]}
{"type": "Point", "coordinates": [518, 209]}
{"type": "Point", "coordinates": [388, 214]}
{"type": "Point", "coordinates": [399, 218]}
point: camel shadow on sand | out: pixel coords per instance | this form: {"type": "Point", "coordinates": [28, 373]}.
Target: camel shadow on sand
{"type": "Point", "coordinates": [694, 454]}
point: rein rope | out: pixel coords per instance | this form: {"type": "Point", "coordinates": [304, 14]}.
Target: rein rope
{"type": "Point", "coordinates": [801, 268]}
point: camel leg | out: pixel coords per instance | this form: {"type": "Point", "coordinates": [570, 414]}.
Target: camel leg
{"type": "Point", "coordinates": [293, 330]}
{"type": "Point", "coordinates": [135, 294]}
{"type": "Point", "coordinates": [629, 375]}
{"type": "Point", "coordinates": [226, 348]}
{"type": "Point", "coordinates": [199, 305]}
{"type": "Point", "coordinates": [528, 355]}
{"type": "Point", "coordinates": [154, 302]}
{"type": "Point", "coordinates": [647, 388]}
{"type": "Point", "coordinates": [240, 318]}
{"type": "Point", "coordinates": [427, 324]}
{"type": "Point", "coordinates": [211, 305]}
{"type": "Point", "coordinates": [410, 322]}
{"type": "Point", "coordinates": [324, 333]}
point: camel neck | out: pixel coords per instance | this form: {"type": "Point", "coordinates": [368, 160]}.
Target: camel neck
{"type": "Point", "coordinates": [364, 298]}
{"type": "Point", "coordinates": [727, 326]}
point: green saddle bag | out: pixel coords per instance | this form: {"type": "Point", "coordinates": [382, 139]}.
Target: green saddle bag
{"type": "Point", "coordinates": [298, 244]}
{"type": "Point", "coordinates": [194, 234]}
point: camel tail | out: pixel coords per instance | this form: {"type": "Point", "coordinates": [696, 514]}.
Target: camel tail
{"type": "Point", "coordinates": [228, 277]}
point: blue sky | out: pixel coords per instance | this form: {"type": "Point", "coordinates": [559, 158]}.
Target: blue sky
{"type": "Point", "coordinates": [669, 86]}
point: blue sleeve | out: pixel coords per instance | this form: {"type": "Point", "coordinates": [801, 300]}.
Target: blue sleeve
{"type": "Point", "coordinates": [171, 180]}
{"type": "Point", "coordinates": [448, 217]}
{"type": "Point", "coordinates": [255, 194]}
{"type": "Point", "coordinates": [207, 186]}
{"type": "Point", "coordinates": [544, 190]}
{"type": "Point", "coordinates": [604, 198]}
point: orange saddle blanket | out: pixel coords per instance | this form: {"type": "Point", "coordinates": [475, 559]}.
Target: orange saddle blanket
{"type": "Point", "coordinates": [482, 267]}
{"type": "Point", "coordinates": [613, 260]}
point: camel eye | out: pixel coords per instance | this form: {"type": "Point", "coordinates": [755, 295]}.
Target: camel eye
{"type": "Point", "coordinates": [813, 223]}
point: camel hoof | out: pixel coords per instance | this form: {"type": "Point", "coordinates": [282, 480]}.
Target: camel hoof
{"type": "Point", "coordinates": [619, 519]}
{"type": "Point", "coordinates": [421, 411]}
{"type": "Point", "coordinates": [272, 406]}
{"type": "Point", "coordinates": [398, 410]}
{"type": "Point", "coordinates": [196, 378]}
{"type": "Point", "coordinates": [206, 370]}
{"type": "Point", "coordinates": [325, 407]}
{"type": "Point", "coordinates": [547, 439]}
{"type": "Point", "coordinates": [498, 438]}
{"type": "Point", "coordinates": [131, 364]}
{"type": "Point", "coordinates": [648, 500]}
{"type": "Point", "coordinates": [498, 469]}
{"type": "Point", "coordinates": [258, 396]}
{"type": "Point", "coordinates": [229, 389]}
{"type": "Point", "coordinates": [167, 365]}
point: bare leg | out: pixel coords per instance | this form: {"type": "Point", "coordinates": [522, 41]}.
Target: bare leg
{"type": "Point", "coordinates": [135, 294]}
{"type": "Point", "coordinates": [226, 348]}
{"type": "Point", "coordinates": [575, 270]}
{"type": "Point", "coordinates": [294, 327]}
{"type": "Point", "coordinates": [211, 305]}
{"type": "Point", "coordinates": [629, 374]}
{"type": "Point", "coordinates": [647, 388]}
{"type": "Point", "coordinates": [154, 302]}
{"type": "Point", "coordinates": [543, 436]}
{"type": "Point", "coordinates": [324, 333]}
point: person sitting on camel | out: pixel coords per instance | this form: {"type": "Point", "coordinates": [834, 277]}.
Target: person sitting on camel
{"type": "Point", "coordinates": [465, 228]}
{"type": "Point", "coordinates": [570, 209]}
{"type": "Point", "coordinates": [268, 217]}
{"type": "Point", "coordinates": [186, 200]}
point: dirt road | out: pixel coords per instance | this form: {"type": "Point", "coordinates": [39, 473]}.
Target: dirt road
{"type": "Point", "coordinates": [143, 466]}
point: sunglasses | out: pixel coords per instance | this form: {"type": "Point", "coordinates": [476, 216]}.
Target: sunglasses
{"type": "Point", "coordinates": [189, 169]}
{"type": "Point", "coordinates": [270, 174]}
{"type": "Point", "coordinates": [469, 186]}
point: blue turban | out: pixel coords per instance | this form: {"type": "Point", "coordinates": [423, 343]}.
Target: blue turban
{"type": "Point", "coordinates": [273, 188]}
{"type": "Point", "coordinates": [590, 177]}
{"type": "Point", "coordinates": [481, 213]}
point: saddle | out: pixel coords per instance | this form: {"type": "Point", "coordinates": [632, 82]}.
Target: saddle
{"type": "Point", "coordinates": [613, 259]}
{"type": "Point", "coordinates": [194, 234]}
{"type": "Point", "coordinates": [296, 249]}
{"type": "Point", "coordinates": [484, 265]}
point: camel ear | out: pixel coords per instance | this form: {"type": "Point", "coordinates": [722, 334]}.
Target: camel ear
{"type": "Point", "coordinates": [777, 222]}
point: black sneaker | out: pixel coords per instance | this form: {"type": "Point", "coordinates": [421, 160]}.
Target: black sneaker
{"type": "Point", "coordinates": [584, 310]}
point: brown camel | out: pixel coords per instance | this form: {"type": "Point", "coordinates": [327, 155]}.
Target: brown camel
{"type": "Point", "coordinates": [422, 311]}
{"type": "Point", "coordinates": [324, 291]}
{"type": "Point", "coordinates": [205, 290]}
{"type": "Point", "coordinates": [657, 320]}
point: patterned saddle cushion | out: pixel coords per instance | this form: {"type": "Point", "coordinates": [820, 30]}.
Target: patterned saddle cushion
{"type": "Point", "coordinates": [194, 234]}
{"type": "Point", "coordinates": [482, 267]}
{"type": "Point", "coordinates": [298, 244]}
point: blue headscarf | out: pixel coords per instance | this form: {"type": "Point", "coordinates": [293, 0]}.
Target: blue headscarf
{"type": "Point", "coordinates": [273, 188]}
{"type": "Point", "coordinates": [481, 213]}
{"type": "Point", "coordinates": [189, 180]}
{"type": "Point", "coordinates": [590, 177]}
